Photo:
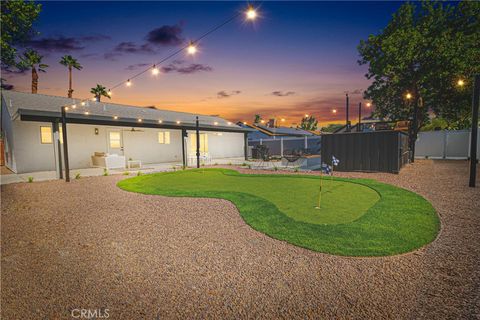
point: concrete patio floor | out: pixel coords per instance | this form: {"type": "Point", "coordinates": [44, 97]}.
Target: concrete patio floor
{"type": "Point", "coordinates": [90, 245]}
{"type": "Point", "coordinates": [8, 177]}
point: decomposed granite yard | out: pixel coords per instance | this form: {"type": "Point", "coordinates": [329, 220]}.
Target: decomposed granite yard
{"type": "Point", "coordinates": [91, 245]}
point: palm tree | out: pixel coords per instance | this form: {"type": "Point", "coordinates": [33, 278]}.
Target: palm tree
{"type": "Point", "coordinates": [70, 62]}
{"type": "Point", "coordinates": [31, 59]}
{"type": "Point", "coordinates": [99, 91]}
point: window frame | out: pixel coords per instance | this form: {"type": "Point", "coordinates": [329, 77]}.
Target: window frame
{"type": "Point", "coordinates": [41, 135]}
{"type": "Point", "coordinates": [163, 137]}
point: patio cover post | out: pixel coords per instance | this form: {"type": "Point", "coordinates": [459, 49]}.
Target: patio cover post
{"type": "Point", "coordinates": [184, 135]}
{"type": "Point", "coordinates": [197, 131]}
{"type": "Point", "coordinates": [245, 149]}
{"type": "Point", "coordinates": [58, 148]}
{"type": "Point", "coordinates": [474, 137]}
{"type": "Point", "coordinates": [65, 145]}
{"type": "Point", "coordinates": [347, 106]}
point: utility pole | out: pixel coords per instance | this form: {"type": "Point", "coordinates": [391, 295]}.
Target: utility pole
{"type": "Point", "coordinates": [473, 139]}
{"type": "Point", "coordinates": [197, 131]}
{"type": "Point", "coordinates": [359, 124]}
{"type": "Point", "coordinates": [347, 123]}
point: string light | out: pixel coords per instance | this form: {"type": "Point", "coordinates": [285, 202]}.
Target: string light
{"type": "Point", "coordinates": [460, 83]}
{"type": "Point", "coordinates": [306, 115]}
{"type": "Point", "coordinates": [83, 103]}
{"type": "Point", "coordinates": [109, 93]}
{"type": "Point", "coordinates": [408, 96]}
{"type": "Point", "coordinates": [283, 120]}
{"type": "Point", "coordinates": [245, 122]}
{"type": "Point", "coordinates": [369, 104]}
{"type": "Point", "coordinates": [160, 121]}
{"type": "Point", "coordinates": [74, 106]}
{"type": "Point", "coordinates": [94, 99]}
{"type": "Point", "coordinates": [128, 83]}
{"type": "Point", "coordinates": [334, 110]}
{"type": "Point", "coordinates": [262, 121]}
{"type": "Point", "coordinates": [178, 122]}
{"type": "Point", "coordinates": [86, 113]}
{"type": "Point", "coordinates": [66, 108]}
{"type": "Point", "coordinates": [139, 120]}
{"type": "Point", "coordinates": [251, 14]}
{"type": "Point", "coordinates": [229, 123]}
{"type": "Point", "coordinates": [115, 117]}
{"type": "Point", "coordinates": [215, 123]}
{"type": "Point", "coordinates": [192, 49]}
{"type": "Point", "coordinates": [155, 70]}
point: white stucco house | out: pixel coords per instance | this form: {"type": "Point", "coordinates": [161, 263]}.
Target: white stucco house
{"type": "Point", "coordinates": [33, 135]}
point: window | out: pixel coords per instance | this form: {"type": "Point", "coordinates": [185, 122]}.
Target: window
{"type": "Point", "coordinates": [46, 135]}
{"type": "Point", "coordinates": [115, 139]}
{"type": "Point", "coordinates": [164, 137]}
{"type": "Point", "coordinates": [203, 142]}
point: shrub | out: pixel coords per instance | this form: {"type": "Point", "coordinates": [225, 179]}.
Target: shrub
{"type": "Point", "coordinates": [77, 175]}
{"type": "Point", "coordinates": [30, 179]}
{"type": "Point", "coordinates": [126, 173]}
{"type": "Point", "coordinates": [296, 169]}
{"type": "Point", "coordinates": [139, 173]}
{"type": "Point", "coordinates": [105, 172]}
{"type": "Point", "coordinates": [275, 168]}
{"type": "Point", "coordinates": [229, 163]}
{"type": "Point", "coordinates": [184, 167]}
{"type": "Point", "coordinates": [249, 166]}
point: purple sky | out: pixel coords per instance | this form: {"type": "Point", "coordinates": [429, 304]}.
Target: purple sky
{"type": "Point", "coordinates": [297, 58]}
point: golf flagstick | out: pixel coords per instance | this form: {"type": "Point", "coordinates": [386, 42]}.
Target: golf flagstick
{"type": "Point", "coordinates": [320, 191]}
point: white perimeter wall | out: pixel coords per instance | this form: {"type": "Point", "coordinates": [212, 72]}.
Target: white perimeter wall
{"type": "Point", "coordinates": [31, 155]}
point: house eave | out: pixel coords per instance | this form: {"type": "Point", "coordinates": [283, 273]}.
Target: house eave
{"type": "Point", "coordinates": [47, 116]}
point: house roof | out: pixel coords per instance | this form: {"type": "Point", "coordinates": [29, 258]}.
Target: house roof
{"type": "Point", "coordinates": [281, 131]}
{"type": "Point", "coordinates": [40, 106]}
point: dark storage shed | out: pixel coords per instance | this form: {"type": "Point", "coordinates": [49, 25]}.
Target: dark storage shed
{"type": "Point", "coordinates": [378, 151]}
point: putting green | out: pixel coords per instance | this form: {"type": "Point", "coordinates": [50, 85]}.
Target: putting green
{"type": "Point", "coordinates": [357, 217]}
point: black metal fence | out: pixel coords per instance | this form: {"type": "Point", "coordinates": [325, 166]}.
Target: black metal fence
{"type": "Point", "coordinates": [281, 146]}
{"type": "Point", "coordinates": [379, 151]}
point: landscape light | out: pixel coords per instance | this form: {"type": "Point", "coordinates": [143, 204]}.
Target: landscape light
{"type": "Point", "coordinates": [460, 83]}
{"type": "Point", "coordinates": [408, 96]}
{"type": "Point", "coordinates": [155, 70]}
{"type": "Point", "coordinates": [251, 14]}
{"type": "Point", "coordinates": [192, 49]}
{"type": "Point", "coordinates": [129, 83]}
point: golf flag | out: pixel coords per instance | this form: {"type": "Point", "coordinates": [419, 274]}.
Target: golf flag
{"type": "Point", "coordinates": [326, 168]}
{"type": "Point", "coordinates": [335, 161]}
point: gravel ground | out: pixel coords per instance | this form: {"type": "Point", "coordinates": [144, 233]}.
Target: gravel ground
{"type": "Point", "coordinates": [90, 245]}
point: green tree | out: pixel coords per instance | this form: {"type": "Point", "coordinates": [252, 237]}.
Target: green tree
{"type": "Point", "coordinates": [70, 62]}
{"type": "Point", "coordinates": [99, 91]}
{"type": "Point", "coordinates": [31, 59]}
{"type": "Point", "coordinates": [309, 123]}
{"type": "Point", "coordinates": [257, 119]}
{"type": "Point", "coordinates": [16, 20]}
{"type": "Point", "coordinates": [332, 127]}
{"type": "Point", "coordinates": [423, 51]}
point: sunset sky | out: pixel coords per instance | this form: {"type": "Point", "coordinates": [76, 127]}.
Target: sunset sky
{"type": "Point", "coordinates": [296, 58]}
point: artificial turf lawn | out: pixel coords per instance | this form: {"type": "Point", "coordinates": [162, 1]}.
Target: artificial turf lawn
{"type": "Point", "coordinates": [358, 217]}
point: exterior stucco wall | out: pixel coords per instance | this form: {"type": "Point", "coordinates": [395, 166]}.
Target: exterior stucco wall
{"type": "Point", "coordinates": [7, 132]}
{"type": "Point", "coordinates": [222, 144]}
{"type": "Point", "coordinates": [142, 145]}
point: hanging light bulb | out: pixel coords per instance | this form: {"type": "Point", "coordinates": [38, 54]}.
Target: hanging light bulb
{"type": "Point", "coordinates": [109, 93]}
{"type": "Point", "coordinates": [192, 49]}
{"type": "Point", "coordinates": [155, 70]}
{"type": "Point", "coordinates": [334, 110]}
{"type": "Point", "coordinates": [83, 103]}
{"type": "Point", "coordinates": [251, 14]}
{"type": "Point", "coordinates": [74, 106]}
{"type": "Point", "coordinates": [160, 121]}
{"type": "Point", "coordinates": [129, 83]}
{"type": "Point", "coordinates": [369, 104]}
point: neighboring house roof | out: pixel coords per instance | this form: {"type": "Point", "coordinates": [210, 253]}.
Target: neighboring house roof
{"type": "Point", "coordinates": [279, 131]}
{"type": "Point", "coordinates": [31, 105]}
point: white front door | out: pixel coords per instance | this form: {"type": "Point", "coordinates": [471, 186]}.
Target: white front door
{"type": "Point", "coordinates": [115, 142]}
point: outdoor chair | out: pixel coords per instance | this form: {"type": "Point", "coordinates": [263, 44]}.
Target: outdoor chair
{"type": "Point", "coordinates": [263, 154]}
